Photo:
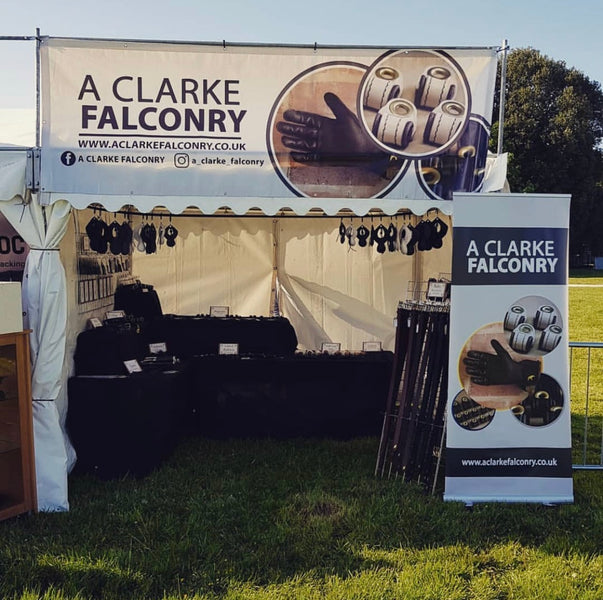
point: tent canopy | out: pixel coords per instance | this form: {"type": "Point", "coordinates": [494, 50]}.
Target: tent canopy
{"type": "Point", "coordinates": [263, 128]}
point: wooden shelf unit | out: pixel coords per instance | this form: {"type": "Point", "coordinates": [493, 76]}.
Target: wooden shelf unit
{"type": "Point", "coordinates": [17, 464]}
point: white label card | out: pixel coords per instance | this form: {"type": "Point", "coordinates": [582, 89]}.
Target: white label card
{"type": "Point", "coordinates": [371, 346]}
{"type": "Point", "coordinates": [219, 311]}
{"type": "Point", "coordinates": [132, 366]}
{"type": "Point", "coordinates": [330, 347]}
{"type": "Point", "coordinates": [95, 323]}
{"type": "Point", "coordinates": [228, 349]}
{"type": "Point", "coordinates": [157, 347]}
{"type": "Point", "coordinates": [437, 289]}
{"type": "Point", "coordinates": [115, 314]}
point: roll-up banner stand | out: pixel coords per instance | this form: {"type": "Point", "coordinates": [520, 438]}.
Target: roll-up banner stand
{"type": "Point", "coordinates": [229, 121]}
{"type": "Point", "coordinates": [508, 415]}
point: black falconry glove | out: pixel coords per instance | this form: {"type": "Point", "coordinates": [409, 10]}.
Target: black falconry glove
{"type": "Point", "coordinates": [500, 369]}
{"type": "Point", "coordinates": [341, 141]}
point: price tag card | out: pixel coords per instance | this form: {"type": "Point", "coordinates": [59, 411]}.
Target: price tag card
{"type": "Point", "coordinates": [436, 290]}
{"type": "Point", "coordinates": [372, 346]}
{"type": "Point", "coordinates": [228, 349]}
{"type": "Point", "coordinates": [132, 366]}
{"type": "Point", "coordinates": [330, 347]}
{"type": "Point", "coordinates": [219, 311]}
{"type": "Point", "coordinates": [157, 348]}
{"type": "Point", "coordinates": [94, 323]}
{"type": "Point", "coordinates": [115, 314]}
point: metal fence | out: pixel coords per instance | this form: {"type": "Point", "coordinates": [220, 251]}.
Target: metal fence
{"type": "Point", "coordinates": [586, 386]}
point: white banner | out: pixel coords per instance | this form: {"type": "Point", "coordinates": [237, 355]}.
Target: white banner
{"type": "Point", "coordinates": [213, 121]}
{"type": "Point", "coordinates": [508, 419]}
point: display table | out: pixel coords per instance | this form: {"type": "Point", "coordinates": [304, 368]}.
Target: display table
{"type": "Point", "coordinates": [121, 424]}
{"type": "Point", "coordinates": [187, 336]}
{"type": "Point", "coordinates": [320, 395]}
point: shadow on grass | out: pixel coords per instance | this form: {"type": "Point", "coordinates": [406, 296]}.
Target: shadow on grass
{"type": "Point", "coordinates": [264, 512]}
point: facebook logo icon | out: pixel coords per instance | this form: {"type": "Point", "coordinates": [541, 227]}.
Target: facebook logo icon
{"type": "Point", "coordinates": [68, 158]}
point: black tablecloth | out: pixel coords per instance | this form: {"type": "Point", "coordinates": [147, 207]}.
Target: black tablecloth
{"type": "Point", "coordinates": [297, 396]}
{"type": "Point", "coordinates": [187, 336]}
{"type": "Point", "coordinates": [126, 423]}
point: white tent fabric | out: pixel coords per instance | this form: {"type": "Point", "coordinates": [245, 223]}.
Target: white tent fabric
{"type": "Point", "coordinates": [495, 178]}
{"type": "Point", "coordinates": [241, 205]}
{"type": "Point", "coordinates": [45, 307]}
{"type": "Point", "coordinates": [332, 292]}
{"type": "Point", "coordinates": [329, 291]}
{"type": "Point", "coordinates": [215, 262]}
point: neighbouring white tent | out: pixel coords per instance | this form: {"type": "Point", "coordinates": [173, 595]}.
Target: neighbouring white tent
{"type": "Point", "coordinates": [45, 313]}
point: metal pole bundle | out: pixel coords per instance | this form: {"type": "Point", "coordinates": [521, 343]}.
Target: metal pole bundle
{"type": "Point", "coordinates": [413, 424]}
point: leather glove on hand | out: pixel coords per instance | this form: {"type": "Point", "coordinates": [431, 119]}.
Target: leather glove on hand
{"type": "Point", "coordinates": [500, 369]}
{"type": "Point", "coordinates": [341, 141]}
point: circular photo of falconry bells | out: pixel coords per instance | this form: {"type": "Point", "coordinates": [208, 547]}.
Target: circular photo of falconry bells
{"type": "Point", "coordinates": [543, 406]}
{"type": "Point", "coordinates": [533, 326]}
{"type": "Point", "coordinates": [470, 415]}
{"type": "Point", "coordinates": [317, 142]}
{"type": "Point", "coordinates": [492, 373]}
{"type": "Point", "coordinates": [460, 169]}
{"type": "Point", "coordinates": [415, 103]}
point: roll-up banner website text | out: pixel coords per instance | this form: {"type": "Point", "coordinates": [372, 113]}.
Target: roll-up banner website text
{"type": "Point", "coordinates": [154, 119]}
{"type": "Point", "coordinates": [508, 414]}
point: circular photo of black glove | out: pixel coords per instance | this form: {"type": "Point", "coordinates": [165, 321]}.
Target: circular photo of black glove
{"type": "Point", "coordinates": [470, 415]}
{"type": "Point", "coordinates": [318, 144]}
{"type": "Point", "coordinates": [415, 103]}
{"type": "Point", "coordinates": [543, 406]}
{"type": "Point", "coordinates": [533, 326]}
{"type": "Point", "coordinates": [460, 169]}
{"type": "Point", "coordinates": [492, 373]}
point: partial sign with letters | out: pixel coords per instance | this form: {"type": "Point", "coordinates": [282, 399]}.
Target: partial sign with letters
{"type": "Point", "coordinates": [13, 252]}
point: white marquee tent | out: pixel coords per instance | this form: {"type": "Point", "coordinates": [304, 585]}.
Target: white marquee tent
{"type": "Point", "coordinates": [328, 290]}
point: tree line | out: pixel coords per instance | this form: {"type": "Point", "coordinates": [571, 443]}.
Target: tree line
{"type": "Point", "coordinates": [553, 132]}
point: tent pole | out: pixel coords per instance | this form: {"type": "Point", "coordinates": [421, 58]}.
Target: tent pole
{"type": "Point", "coordinates": [37, 87]}
{"type": "Point", "coordinates": [274, 308]}
{"type": "Point", "coordinates": [501, 107]}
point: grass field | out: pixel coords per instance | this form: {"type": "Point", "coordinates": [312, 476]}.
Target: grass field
{"type": "Point", "coordinates": [305, 519]}
{"type": "Point", "coordinates": [586, 325]}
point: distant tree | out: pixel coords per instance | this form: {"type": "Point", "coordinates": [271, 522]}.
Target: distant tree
{"type": "Point", "coordinates": [553, 129]}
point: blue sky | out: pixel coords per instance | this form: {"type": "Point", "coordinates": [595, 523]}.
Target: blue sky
{"type": "Point", "coordinates": [563, 30]}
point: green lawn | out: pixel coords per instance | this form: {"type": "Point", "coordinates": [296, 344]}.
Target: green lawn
{"type": "Point", "coordinates": [297, 519]}
{"type": "Point", "coordinates": [305, 519]}
{"type": "Point", "coordinates": [586, 325]}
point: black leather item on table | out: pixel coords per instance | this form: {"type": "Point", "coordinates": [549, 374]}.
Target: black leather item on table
{"type": "Point", "coordinates": [138, 300]}
{"type": "Point", "coordinates": [126, 424]}
{"type": "Point", "coordinates": [102, 351]}
{"type": "Point", "coordinates": [187, 336]}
